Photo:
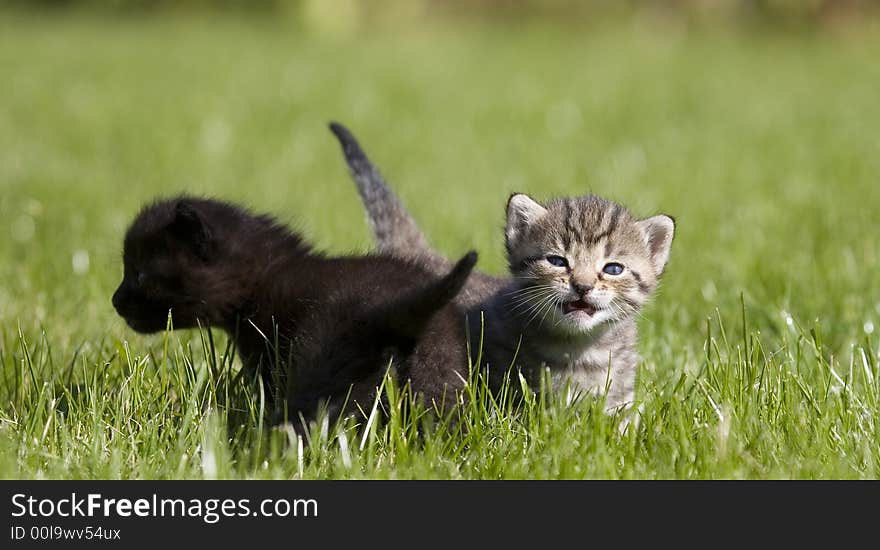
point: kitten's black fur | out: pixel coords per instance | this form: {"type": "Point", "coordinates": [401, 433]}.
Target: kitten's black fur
{"type": "Point", "coordinates": [339, 319]}
{"type": "Point", "coordinates": [356, 332]}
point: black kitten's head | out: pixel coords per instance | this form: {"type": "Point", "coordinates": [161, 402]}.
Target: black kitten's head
{"type": "Point", "coordinates": [171, 264]}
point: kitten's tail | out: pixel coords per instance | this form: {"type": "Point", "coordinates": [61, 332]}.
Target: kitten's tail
{"type": "Point", "coordinates": [393, 227]}
{"type": "Point", "coordinates": [409, 316]}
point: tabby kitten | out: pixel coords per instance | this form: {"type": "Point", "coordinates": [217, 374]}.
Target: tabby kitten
{"type": "Point", "coordinates": [337, 320]}
{"type": "Point", "coordinates": [581, 268]}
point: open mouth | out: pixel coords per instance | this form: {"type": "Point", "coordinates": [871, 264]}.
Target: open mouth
{"type": "Point", "coordinates": [581, 306]}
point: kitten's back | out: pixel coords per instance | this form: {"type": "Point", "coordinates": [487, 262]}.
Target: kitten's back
{"type": "Point", "coordinates": [352, 339]}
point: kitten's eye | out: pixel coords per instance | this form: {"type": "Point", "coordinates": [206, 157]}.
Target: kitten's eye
{"type": "Point", "coordinates": [558, 261]}
{"type": "Point", "coordinates": [140, 278]}
{"type": "Point", "coordinates": [613, 268]}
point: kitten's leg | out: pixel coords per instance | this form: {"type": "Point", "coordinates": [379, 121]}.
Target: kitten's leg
{"type": "Point", "coordinates": [621, 393]}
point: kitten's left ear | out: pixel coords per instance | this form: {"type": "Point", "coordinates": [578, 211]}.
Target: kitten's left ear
{"type": "Point", "coordinates": [522, 211]}
{"type": "Point", "coordinates": [189, 227]}
{"type": "Point", "coordinates": [658, 232]}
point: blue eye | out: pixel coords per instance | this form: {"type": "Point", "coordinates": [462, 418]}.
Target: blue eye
{"type": "Point", "coordinates": [558, 261]}
{"type": "Point", "coordinates": [613, 268]}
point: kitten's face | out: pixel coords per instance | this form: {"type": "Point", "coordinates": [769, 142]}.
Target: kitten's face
{"type": "Point", "coordinates": [583, 262]}
{"type": "Point", "coordinates": [166, 269]}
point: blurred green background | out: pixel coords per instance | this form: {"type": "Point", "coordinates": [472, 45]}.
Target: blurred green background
{"type": "Point", "coordinates": [754, 123]}
{"type": "Point", "coordinates": [776, 11]}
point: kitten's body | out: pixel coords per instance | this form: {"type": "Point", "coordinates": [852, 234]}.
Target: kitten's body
{"type": "Point", "coordinates": [578, 363]}
{"type": "Point", "coordinates": [360, 328]}
{"type": "Point", "coordinates": [215, 264]}
{"type": "Point", "coordinates": [530, 321]}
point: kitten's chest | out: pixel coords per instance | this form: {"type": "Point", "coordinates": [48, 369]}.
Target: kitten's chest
{"type": "Point", "coordinates": [581, 369]}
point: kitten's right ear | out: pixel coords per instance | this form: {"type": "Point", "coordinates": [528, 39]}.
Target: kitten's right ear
{"type": "Point", "coordinates": [522, 211]}
{"type": "Point", "coordinates": [189, 227]}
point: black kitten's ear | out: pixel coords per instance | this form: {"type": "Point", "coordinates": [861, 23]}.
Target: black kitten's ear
{"type": "Point", "coordinates": [189, 227]}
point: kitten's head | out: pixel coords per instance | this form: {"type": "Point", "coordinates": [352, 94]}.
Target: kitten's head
{"type": "Point", "coordinates": [170, 263]}
{"type": "Point", "coordinates": [583, 262]}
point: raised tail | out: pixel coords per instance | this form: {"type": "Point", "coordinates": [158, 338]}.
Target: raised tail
{"type": "Point", "coordinates": [394, 229]}
{"type": "Point", "coordinates": [409, 316]}
{"type": "Point", "coordinates": [348, 355]}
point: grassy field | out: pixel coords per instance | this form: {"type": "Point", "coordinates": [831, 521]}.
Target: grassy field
{"type": "Point", "coordinates": [760, 350]}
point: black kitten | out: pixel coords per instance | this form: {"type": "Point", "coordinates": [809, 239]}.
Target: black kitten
{"type": "Point", "coordinates": [365, 325]}
{"type": "Point", "coordinates": [339, 319]}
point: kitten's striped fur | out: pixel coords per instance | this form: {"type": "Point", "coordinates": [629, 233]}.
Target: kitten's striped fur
{"type": "Point", "coordinates": [576, 320]}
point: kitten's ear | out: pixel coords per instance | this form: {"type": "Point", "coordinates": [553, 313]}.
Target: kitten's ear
{"type": "Point", "coordinates": [522, 211]}
{"type": "Point", "coordinates": [658, 232]}
{"type": "Point", "coordinates": [189, 227]}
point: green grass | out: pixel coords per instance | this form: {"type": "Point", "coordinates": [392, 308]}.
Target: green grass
{"type": "Point", "coordinates": [760, 351]}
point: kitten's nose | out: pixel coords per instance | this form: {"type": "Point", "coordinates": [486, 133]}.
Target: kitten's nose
{"type": "Point", "coordinates": [582, 288]}
{"type": "Point", "coordinates": [117, 298]}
